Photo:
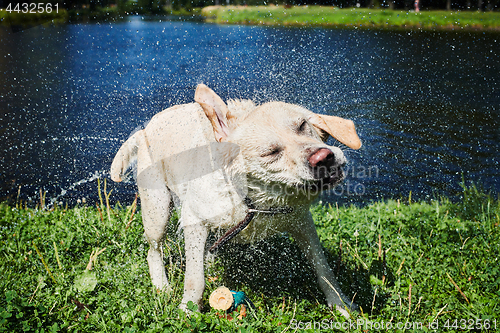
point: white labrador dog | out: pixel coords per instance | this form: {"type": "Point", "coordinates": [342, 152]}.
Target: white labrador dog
{"type": "Point", "coordinates": [252, 170]}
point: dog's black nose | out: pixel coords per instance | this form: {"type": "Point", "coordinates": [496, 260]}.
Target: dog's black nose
{"type": "Point", "coordinates": [322, 158]}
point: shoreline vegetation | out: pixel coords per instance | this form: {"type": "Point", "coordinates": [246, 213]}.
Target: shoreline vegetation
{"type": "Point", "coordinates": [422, 265]}
{"type": "Point", "coordinates": [333, 17]}
{"type": "Point", "coordinates": [275, 15]}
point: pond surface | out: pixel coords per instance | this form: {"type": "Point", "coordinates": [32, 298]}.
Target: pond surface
{"type": "Point", "coordinates": [426, 104]}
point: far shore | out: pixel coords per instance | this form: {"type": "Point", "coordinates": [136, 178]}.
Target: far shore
{"type": "Point", "coordinates": [286, 16]}
{"type": "Point", "coordinates": [364, 18]}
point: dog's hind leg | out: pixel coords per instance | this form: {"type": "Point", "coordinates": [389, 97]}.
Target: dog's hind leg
{"type": "Point", "coordinates": [156, 205]}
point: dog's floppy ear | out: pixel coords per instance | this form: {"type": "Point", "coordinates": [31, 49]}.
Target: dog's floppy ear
{"type": "Point", "coordinates": [340, 129]}
{"type": "Point", "coordinates": [215, 109]}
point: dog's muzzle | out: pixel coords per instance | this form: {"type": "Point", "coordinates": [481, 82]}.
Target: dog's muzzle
{"type": "Point", "coordinates": [326, 170]}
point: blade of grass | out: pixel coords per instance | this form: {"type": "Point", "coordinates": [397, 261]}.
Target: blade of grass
{"type": "Point", "coordinates": [42, 199]}
{"type": "Point", "coordinates": [458, 288]}
{"type": "Point", "coordinates": [133, 208]}
{"type": "Point", "coordinates": [99, 191]}
{"type": "Point", "coordinates": [106, 196]}
{"type": "Point", "coordinates": [409, 299]}
{"type": "Point", "coordinates": [93, 258]}
{"type": "Point", "coordinates": [400, 266]}
{"type": "Point", "coordinates": [439, 312]}
{"type": "Point", "coordinates": [57, 256]}
{"type": "Point", "coordinates": [43, 262]}
{"type": "Point", "coordinates": [100, 212]}
{"type": "Point", "coordinates": [17, 199]}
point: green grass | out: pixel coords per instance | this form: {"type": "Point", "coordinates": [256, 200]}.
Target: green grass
{"type": "Point", "coordinates": [314, 16]}
{"type": "Point", "coordinates": [351, 17]}
{"type": "Point", "coordinates": [405, 262]}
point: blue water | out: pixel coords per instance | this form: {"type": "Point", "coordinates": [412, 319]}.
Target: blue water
{"type": "Point", "coordinates": [426, 104]}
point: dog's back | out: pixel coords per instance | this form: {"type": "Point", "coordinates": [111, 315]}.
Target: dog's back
{"type": "Point", "coordinates": [178, 149]}
{"type": "Point", "coordinates": [168, 134]}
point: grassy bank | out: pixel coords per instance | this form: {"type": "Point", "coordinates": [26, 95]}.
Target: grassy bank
{"type": "Point", "coordinates": [404, 262]}
{"type": "Point", "coordinates": [351, 17]}
{"type": "Point", "coordinates": [314, 16]}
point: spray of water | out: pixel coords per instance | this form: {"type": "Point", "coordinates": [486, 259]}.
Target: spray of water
{"type": "Point", "coordinates": [96, 175]}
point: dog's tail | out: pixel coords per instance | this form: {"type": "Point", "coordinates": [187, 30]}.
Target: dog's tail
{"type": "Point", "coordinates": [125, 156]}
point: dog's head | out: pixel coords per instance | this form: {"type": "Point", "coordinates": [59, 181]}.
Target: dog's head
{"type": "Point", "coordinates": [282, 145]}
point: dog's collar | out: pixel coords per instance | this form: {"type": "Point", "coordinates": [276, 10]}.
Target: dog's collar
{"type": "Point", "coordinates": [231, 233]}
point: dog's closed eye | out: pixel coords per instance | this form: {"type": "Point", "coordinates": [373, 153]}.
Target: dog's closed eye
{"type": "Point", "coordinates": [273, 152]}
{"type": "Point", "coordinates": [303, 127]}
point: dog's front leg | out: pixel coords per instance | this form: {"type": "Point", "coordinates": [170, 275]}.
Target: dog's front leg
{"type": "Point", "coordinates": [195, 237]}
{"type": "Point", "coordinates": [307, 239]}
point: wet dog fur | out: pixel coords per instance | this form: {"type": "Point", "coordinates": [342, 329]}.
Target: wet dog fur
{"type": "Point", "coordinates": [208, 157]}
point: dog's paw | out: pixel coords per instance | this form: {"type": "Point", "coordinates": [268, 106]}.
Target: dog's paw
{"type": "Point", "coordinates": [343, 311]}
{"type": "Point", "coordinates": [347, 309]}
{"type": "Point", "coordinates": [188, 307]}
{"type": "Point", "coordinates": [183, 307]}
